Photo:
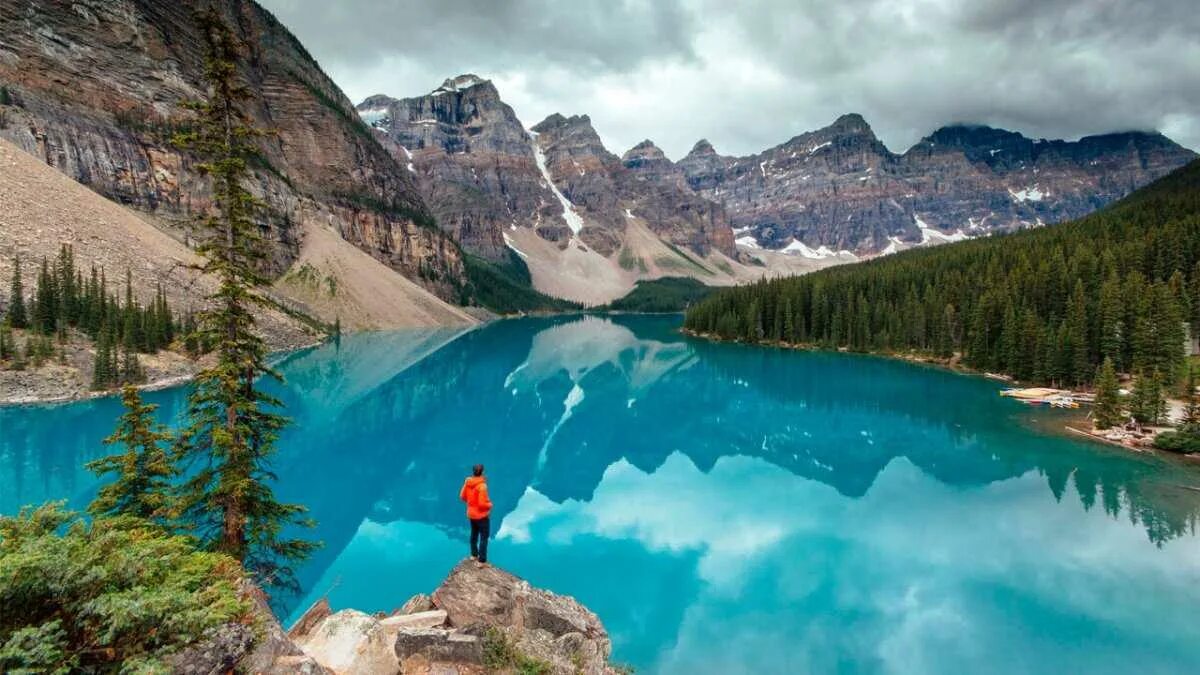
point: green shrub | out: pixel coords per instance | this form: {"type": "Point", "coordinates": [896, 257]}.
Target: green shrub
{"type": "Point", "coordinates": [1186, 442]}
{"type": "Point", "coordinates": [500, 654]}
{"type": "Point", "coordinates": [115, 595]}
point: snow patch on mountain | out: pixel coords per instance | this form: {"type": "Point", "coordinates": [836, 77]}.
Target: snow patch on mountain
{"type": "Point", "coordinates": [573, 220]}
{"type": "Point", "coordinates": [456, 84]}
{"type": "Point", "coordinates": [1028, 194]}
{"type": "Point", "coordinates": [378, 118]}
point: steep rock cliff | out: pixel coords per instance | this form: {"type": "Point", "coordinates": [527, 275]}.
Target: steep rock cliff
{"type": "Point", "coordinates": [95, 88]}
{"type": "Point", "coordinates": [840, 188]}
{"type": "Point", "coordinates": [481, 172]}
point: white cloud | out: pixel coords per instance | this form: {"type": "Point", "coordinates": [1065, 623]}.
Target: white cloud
{"type": "Point", "coordinates": [749, 75]}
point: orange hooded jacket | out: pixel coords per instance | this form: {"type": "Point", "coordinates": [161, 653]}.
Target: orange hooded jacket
{"type": "Point", "coordinates": [474, 493]}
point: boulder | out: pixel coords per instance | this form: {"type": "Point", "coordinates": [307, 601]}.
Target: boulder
{"type": "Point", "coordinates": [417, 603]}
{"type": "Point", "coordinates": [350, 641]}
{"type": "Point", "coordinates": [309, 620]}
{"type": "Point", "coordinates": [492, 604]}
{"type": "Point", "coordinates": [492, 597]}
{"type": "Point", "coordinates": [438, 645]}
{"type": "Point", "coordinates": [430, 619]}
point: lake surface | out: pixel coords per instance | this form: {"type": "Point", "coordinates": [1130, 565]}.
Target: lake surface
{"type": "Point", "coordinates": [724, 509]}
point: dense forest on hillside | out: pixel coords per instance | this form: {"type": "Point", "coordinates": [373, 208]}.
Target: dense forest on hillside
{"type": "Point", "coordinates": [64, 300]}
{"type": "Point", "coordinates": [668, 294]}
{"type": "Point", "coordinates": [506, 287]}
{"type": "Point", "coordinates": [1046, 305]}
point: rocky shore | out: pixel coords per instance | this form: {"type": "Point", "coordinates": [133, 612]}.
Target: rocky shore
{"type": "Point", "coordinates": [480, 620]}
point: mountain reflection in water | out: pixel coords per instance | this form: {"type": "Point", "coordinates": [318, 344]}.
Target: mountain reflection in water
{"type": "Point", "coordinates": [723, 508]}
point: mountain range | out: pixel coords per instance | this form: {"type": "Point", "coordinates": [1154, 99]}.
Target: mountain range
{"type": "Point", "coordinates": [589, 224]}
{"type": "Point", "coordinates": [431, 185]}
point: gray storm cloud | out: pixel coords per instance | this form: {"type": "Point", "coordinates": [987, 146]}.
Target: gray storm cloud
{"type": "Point", "coordinates": [751, 74]}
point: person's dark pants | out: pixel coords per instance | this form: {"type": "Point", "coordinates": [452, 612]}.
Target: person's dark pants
{"type": "Point", "coordinates": [481, 529]}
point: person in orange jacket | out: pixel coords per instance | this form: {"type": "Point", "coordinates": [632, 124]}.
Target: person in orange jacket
{"type": "Point", "coordinates": [474, 493]}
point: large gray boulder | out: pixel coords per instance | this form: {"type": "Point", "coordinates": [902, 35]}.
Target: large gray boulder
{"type": "Point", "coordinates": [552, 628]}
{"type": "Point", "coordinates": [490, 596]}
{"type": "Point", "coordinates": [350, 641]}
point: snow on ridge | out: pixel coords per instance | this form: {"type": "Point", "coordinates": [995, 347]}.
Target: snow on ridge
{"type": "Point", "coordinates": [822, 252]}
{"type": "Point", "coordinates": [508, 243]}
{"type": "Point", "coordinates": [374, 117]}
{"type": "Point", "coordinates": [408, 155]}
{"type": "Point", "coordinates": [457, 84]}
{"type": "Point", "coordinates": [1028, 194]}
{"type": "Point", "coordinates": [817, 147]}
{"type": "Point", "coordinates": [929, 234]}
{"type": "Point", "coordinates": [574, 222]}
{"type": "Point", "coordinates": [747, 242]}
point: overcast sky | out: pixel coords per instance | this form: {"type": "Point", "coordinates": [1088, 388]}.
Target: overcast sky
{"type": "Point", "coordinates": [750, 74]}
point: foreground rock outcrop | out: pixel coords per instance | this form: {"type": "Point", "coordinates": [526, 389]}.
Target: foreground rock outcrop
{"type": "Point", "coordinates": [479, 620]}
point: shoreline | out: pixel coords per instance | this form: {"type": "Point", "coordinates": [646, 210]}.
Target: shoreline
{"type": "Point", "coordinates": [953, 365]}
{"type": "Point", "coordinates": [158, 384]}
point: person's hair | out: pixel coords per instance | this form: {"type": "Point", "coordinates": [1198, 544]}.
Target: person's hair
{"type": "Point", "coordinates": [477, 469]}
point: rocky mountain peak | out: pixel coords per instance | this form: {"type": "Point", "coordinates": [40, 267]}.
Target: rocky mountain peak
{"type": "Point", "coordinates": [851, 124]}
{"type": "Point", "coordinates": [644, 153]}
{"type": "Point", "coordinates": [460, 83]}
{"type": "Point", "coordinates": [558, 122]}
{"type": "Point", "coordinates": [702, 148]}
{"type": "Point", "coordinates": [973, 135]}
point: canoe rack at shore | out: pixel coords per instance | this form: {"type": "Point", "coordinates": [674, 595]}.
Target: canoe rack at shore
{"type": "Point", "coordinates": [1056, 398]}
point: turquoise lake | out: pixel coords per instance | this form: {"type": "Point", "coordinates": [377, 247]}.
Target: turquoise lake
{"type": "Point", "coordinates": [724, 509]}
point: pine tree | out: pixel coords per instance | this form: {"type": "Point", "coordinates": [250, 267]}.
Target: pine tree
{"type": "Point", "coordinates": [6, 340]}
{"type": "Point", "coordinates": [1148, 402]}
{"type": "Point", "coordinates": [45, 309]}
{"type": "Point", "coordinates": [102, 370]}
{"type": "Point", "coordinates": [232, 423]}
{"type": "Point", "coordinates": [143, 472]}
{"type": "Point", "coordinates": [1191, 402]}
{"type": "Point", "coordinates": [131, 368]}
{"type": "Point", "coordinates": [18, 316]}
{"type": "Point", "coordinates": [1080, 365]}
{"type": "Point", "coordinates": [1107, 409]}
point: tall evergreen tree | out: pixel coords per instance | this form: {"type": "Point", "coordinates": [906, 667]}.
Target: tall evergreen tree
{"type": "Point", "coordinates": [232, 422]}
{"type": "Point", "coordinates": [1191, 402]}
{"type": "Point", "coordinates": [18, 315]}
{"type": "Point", "coordinates": [6, 340]}
{"type": "Point", "coordinates": [142, 472]}
{"type": "Point", "coordinates": [45, 309]}
{"type": "Point", "coordinates": [1107, 410]}
{"type": "Point", "coordinates": [1148, 402]}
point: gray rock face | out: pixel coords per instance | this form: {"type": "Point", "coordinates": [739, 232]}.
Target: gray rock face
{"type": "Point", "coordinates": [416, 604]}
{"type": "Point", "coordinates": [478, 169]}
{"type": "Point", "coordinates": [439, 645]}
{"type": "Point", "coordinates": [553, 628]}
{"type": "Point", "coordinates": [96, 87]}
{"type": "Point", "coordinates": [840, 187]}
{"type": "Point", "coordinates": [472, 157]}
{"type": "Point", "coordinates": [660, 194]}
